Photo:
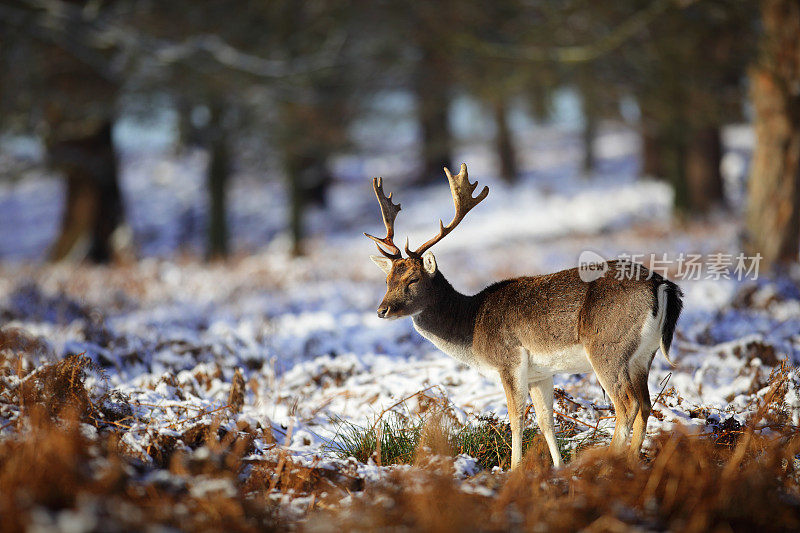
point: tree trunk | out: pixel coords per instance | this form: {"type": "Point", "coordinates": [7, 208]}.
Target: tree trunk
{"type": "Point", "coordinates": [773, 212]}
{"type": "Point", "coordinates": [589, 107]}
{"type": "Point", "coordinates": [703, 176]}
{"type": "Point", "coordinates": [433, 103]}
{"type": "Point", "coordinates": [664, 148]}
{"type": "Point", "coordinates": [316, 178]}
{"type": "Point", "coordinates": [94, 207]}
{"type": "Point", "coordinates": [190, 135]}
{"type": "Point", "coordinates": [651, 154]}
{"type": "Point", "coordinates": [652, 163]}
{"type": "Point", "coordinates": [308, 181]}
{"type": "Point", "coordinates": [305, 149]}
{"type": "Point", "coordinates": [540, 103]}
{"type": "Point", "coordinates": [297, 204]}
{"type": "Point", "coordinates": [505, 147]}
{"type": "Point", "coordinates": [589, 134]}
{"type": "Point", "coordinates": [673, 150]}
{"type": "Point", "coordinates": [218, 177]}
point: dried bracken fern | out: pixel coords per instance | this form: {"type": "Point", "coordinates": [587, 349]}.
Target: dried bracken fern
{"type": "Point", "coordinates": [236, 395]}
{"type": "Point", "coordinates": [60, 386]}
{"type": "Point", "coordinates": [21, 351]}
{"type": "Point", "coordinates": [690, 485]}
{"type": "Point", "coordinates": [49, 468]}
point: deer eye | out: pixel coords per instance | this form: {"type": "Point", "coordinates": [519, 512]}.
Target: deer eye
{"type": "Point", "coordinates": [411, 282]}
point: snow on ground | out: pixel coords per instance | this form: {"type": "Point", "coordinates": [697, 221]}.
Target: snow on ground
{"type": "Point", "coordinates": [170, 333]}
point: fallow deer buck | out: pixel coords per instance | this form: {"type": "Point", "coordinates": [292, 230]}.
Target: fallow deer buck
{"type": "Point", "coordinates": [525, 330]}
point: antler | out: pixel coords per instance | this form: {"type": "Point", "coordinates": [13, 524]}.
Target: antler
{"type": "Point", "coordinates": [462, 190]}
{"type": "Point", "coordinates": [389, 213]}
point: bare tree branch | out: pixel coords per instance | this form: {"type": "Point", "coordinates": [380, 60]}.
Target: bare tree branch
{"type": "Point", "coordinates": [580, 53]}
{"type": "Point", "coordinates": [83, 33]}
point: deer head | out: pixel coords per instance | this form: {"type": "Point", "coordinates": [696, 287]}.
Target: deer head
{"type": "Point", "coordinates": [409, 280]}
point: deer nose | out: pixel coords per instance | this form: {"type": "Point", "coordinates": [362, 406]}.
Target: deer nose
{"type": "Point", "coordinates": [383, 311]}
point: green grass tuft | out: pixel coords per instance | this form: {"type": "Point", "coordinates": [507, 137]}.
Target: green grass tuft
{"type": "Point", "coordinates": [488, 440]}
{"type": "Point", "coordinates": [399, 437]}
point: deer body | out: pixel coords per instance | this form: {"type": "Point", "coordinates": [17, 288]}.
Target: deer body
{"type": "Point", "coordinates": [525, 330]}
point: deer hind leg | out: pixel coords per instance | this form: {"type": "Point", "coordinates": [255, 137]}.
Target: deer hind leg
{"type": "Point", "coordinates": [612, 373]}
{"type": "Point", "coordinates": [643, 395]}
{"type": "Point", "coordinates": [513, 385]}
{"type": "Point", "coordinates": [626, 405]}
{"type": "Point", "coordinates": [542, 396]}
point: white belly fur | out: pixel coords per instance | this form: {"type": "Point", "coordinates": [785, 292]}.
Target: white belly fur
{"type": "Point", "coordinates": [571, 360]}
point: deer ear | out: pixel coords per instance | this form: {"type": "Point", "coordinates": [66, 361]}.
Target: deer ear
{"type": "Point", "coordinates": [384, 263]}
{"type": "Point", "coordinates": [429, 262]}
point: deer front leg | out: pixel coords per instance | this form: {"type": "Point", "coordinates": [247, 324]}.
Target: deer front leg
{"type": "Point", "coordinates": [515, 398]}
{"type": "Point", "coordinates": [542, 396]}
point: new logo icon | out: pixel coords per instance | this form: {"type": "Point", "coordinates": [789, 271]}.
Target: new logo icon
{"type": "Point", "coordinates": [591, 266]}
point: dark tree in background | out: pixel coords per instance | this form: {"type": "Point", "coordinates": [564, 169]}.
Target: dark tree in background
{"type": "Point", "coordinates": [68, 93]}
{"type": "Point", "coordinates": [504, 142]}
{"type": "Point", "coordinates": [291, 77]}
{"type": "Point", "coordinates": [688, 69]}
{"type": "Point", "coordinates": [498, 83]}
{"type": "Point", "coordinates": [237, 65]}
{"type": "Point", "coordinates": [314, 105]}
{"type": "Point", "coordinates": [433, 84]}
{"type": "Point", "coordinates": [773, 214]}
{"type": "Point", "coordinates": [218, 176]}
{"type": "Point", "coordinates": [193, 76]}
{"type": "Point", "coordinates": [93, 209]}
{"type": "Point", "coordinates": [590, 108]}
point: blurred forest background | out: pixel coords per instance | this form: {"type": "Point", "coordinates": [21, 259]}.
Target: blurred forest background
{"type": "Point", "coordinates": [297, 93]}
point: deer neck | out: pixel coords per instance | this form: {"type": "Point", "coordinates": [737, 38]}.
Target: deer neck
{"type": "Point", "coordinates": [449, 321]}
